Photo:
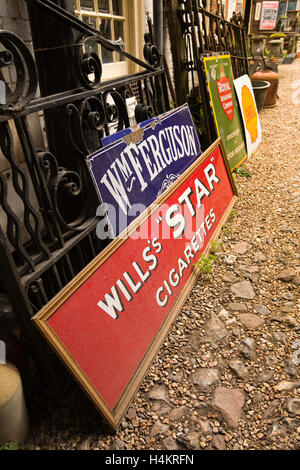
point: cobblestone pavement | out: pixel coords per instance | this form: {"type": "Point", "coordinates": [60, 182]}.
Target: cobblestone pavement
{"type": "Point", "coordinates": [227, 375]}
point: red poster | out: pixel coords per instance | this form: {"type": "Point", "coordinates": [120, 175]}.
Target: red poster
{"type": "Point", "coordinates": [109, 322]}
{"type": "Point", "coordinates": [268, 17]}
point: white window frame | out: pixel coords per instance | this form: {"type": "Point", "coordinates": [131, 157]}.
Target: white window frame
{"type": "Point", "coordinates": [132, 18]}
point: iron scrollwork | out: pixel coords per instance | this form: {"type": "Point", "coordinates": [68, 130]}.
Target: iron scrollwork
{"type": "Point", "coordinates": [151, 53]}
{"type": "Point", "coordinates": [18, 55]}
{"type": "Point", "coordinates": [21, 186]}
{"type": "Point", "coordinates": [89, 64]}
{"type": "Point", "coordinates": [64, 186]}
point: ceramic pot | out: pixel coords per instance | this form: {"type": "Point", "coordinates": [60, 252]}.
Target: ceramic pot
{"type": "Point", "coordinates": [273, 78]}
{"type": "Point", "coordinates": [260, 89]}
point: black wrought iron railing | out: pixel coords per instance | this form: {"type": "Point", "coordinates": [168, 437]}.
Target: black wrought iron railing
{"type": "Point", "coordinates": [210, 33]}
{"type": "Point", "coordinates": [47, 199]}
{"type": "Point", "coordinates": [207, 33]}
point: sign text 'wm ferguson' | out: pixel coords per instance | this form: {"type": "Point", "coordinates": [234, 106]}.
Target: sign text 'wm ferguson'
{"type": "Point", "coordinates": [171, 144]}
{"type": "Point", "coordinates": [189, 204]}
{"type": "Point", "coordinates": [136, 169]}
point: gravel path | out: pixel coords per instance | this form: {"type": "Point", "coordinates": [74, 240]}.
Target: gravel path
{"type": "Point", "coordinates": [228, 374]}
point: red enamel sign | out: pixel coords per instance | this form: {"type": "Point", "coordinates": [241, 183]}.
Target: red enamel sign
{"type": "Point", "coordinates": [109, 322]}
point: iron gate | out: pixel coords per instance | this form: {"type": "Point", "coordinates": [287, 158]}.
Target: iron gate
{"type": "Point", "coordinates": [48, 202]}
{"type": "Point", "coordinates": [48, 199]}
{"type": "Point", "coordinates": [209, 33]}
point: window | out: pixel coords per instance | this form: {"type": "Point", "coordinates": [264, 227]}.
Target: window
{"type": "Point", "coordinates": [292, 5]}
{"type": "Point", "coordinates": [112, 19]}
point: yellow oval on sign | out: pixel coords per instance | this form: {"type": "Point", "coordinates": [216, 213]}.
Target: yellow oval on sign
{"type": "Point", "coordinates": [250, 113]}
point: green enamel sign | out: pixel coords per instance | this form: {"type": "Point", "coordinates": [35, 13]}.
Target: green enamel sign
{"type": "Point", "coordinates": [221, 89]}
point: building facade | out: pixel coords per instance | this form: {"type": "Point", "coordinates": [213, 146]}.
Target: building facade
{"type": "Point", "coordinates": [286, 14]}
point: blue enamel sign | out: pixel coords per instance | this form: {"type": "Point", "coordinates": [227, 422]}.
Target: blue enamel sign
{"type": "Point", "coordinates": [130, 173]}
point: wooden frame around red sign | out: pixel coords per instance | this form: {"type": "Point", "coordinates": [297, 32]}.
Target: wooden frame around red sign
{"type": "Point", "coordinates": [114, 412]}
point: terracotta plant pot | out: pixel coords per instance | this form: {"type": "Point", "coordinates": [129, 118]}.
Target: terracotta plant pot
{"type": "Point", "coordinates": [273, 78]}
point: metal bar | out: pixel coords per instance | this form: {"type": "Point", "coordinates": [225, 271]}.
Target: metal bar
{"type": "Point", "coordinates": [40, 187]}
{"type": "Point", "coordinates": [72, 273]}
{"type": "Point", "coordinates": [91, 245]}
{"type": "Point", "coordinates": [217, 17]}
{"type": "Point", "coordinates": [79, 25]}
{"type": "Point", "coordinates": [158, 20]}
{"type": "Point", "coordinates": [202, 82]}
{"type": "Point", "coordinates": [21, 306]}
{"type": "Point", "coordinates": [42, 267]}
{"type": "Point", "coordinates": [77, 94]}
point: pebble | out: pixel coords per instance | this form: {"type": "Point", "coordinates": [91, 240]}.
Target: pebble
{"type": "Point", "coordinates": [243, 289]}
{"type": "Point", "coordinates": [206, 378]}
{"type": "Point", "coordinates": [159, 392]}
{"type": "Point", "coordinates": [204, 427]}
{"type": "Point", "coordinates": [262, 309]}
{"type": "Point", "coordinates": [218, 442]}
{"type": "Point", "coordinates": [287, 296]}
{"type": "Point", "coordinates": [290, 369]}
{"type": "Point", "coordinates": [229, 402]}
{"type": "Point", "coordinates": [239, 368]}
{"type": "Point", "coordinates": [251, 321]}
{"type": "Point", "coordinates": [249, 272]}
{"type": "Point", "coordinates": [230, 259]}
{"type": "Point", "coordinates": [287, 308]}
{"type": "Point", "coordinates": [229, 278]}
{"type": "Point", "coordinates": [237, 307]}
{"type": "Point", "coordinates": [159, 428]}
{"type": "Point", "coordinates": [170, 444]}
{"type": "Point", "coordinates": [192, 441]}
{"type": "Point", "coordinates": [293, 406]}
{"type": "Point", "coordinates": [264, 376]}
{"type": "Point", "coordinates": [272, 409]}
{"type": "Point", "coordinates": [257, 398]}
{"type": "Point", "coordinates": [279, 337]}
{"type": "Point", "coordinates": [118, 444]}
{"type": "Point", "coordinates": [215, 329]}
{"type": "Point", "coordinates": [286, 275]}
{"type": "Point", "coordinates": [296, 344]}
{"type": "Point", "coordinates": [241, 248]}
{"type": "Point", "coordinates": [275, 431]}
{"type": "Point", "coordinates": [178, 413]}
{"type": "Point", "coordinates": [296, 358]}
{"type": "Point", "coordinates": [247, 348]}
{"type": "Point", "coordinates": [259, 257]}
{"type": "Point", "coordinates": [285, 385]}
